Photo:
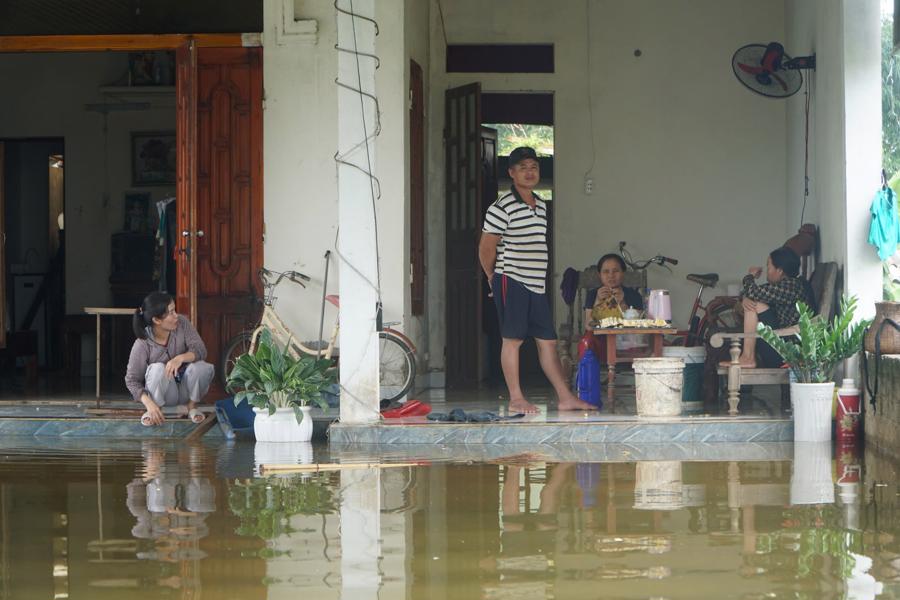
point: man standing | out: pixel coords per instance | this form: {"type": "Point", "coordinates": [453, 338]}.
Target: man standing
{"type": "Point", "coordinates": [513, 253]}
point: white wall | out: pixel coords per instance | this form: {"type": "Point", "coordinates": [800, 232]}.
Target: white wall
{"type": "Point", "coordinates": [689, 163]}
{"type": "Point", "coordinates": [50, 93]}
{"type": "Point", "coordinates": [845, 134]}
{"type": "Point", "coordinates": [300, 140]}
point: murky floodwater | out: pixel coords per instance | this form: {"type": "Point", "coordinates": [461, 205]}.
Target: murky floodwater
{"type": "Point", "coordinates": [161, 521]}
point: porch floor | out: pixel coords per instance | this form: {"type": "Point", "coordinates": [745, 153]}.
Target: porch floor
{"type": "Point", "coordinates": [617, 422]}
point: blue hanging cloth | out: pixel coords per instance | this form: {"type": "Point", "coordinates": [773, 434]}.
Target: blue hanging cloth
{"type": "Point", "coordinates": [884, 233]}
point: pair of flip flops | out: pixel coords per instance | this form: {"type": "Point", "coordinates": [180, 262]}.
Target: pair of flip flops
{"type": "Point", "coordinates": [181, 411]}
{"type": "Point", "coordinates": [458, 415]}
{"type": "Point", "coordinates": [411, 408]}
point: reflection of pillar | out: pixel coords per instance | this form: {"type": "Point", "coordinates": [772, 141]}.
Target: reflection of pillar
{"type": "Point", "coordinates": [611, 499]}
{"type": "Point", "coordinates": [360, 533]}
{"type": "Point", "coordinates": [734, 495]}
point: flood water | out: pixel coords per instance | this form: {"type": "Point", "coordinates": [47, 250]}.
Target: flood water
{"type": "Point", "coordinates": [158, 520]}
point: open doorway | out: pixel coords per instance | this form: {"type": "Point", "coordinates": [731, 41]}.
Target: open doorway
{"type": "Point", "coordinates": [33, 184]}
{"type": "Point", "coordinates": [480, 130]}
{"type": "Point", "coordinates": [81, 214]}
{"type": "Point", "coordinates": [510, 136]}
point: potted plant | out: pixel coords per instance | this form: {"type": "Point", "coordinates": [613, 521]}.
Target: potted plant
{"type": "Point", "coordinates": [280, 389]}
{"type": "Point", "coordinates": [813, 358]}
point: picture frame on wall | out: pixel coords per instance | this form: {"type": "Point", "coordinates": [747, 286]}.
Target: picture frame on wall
{"type": "Point", "coordinates": [153, 157]}
{"type": "Point", "coordinates": [137, 212]}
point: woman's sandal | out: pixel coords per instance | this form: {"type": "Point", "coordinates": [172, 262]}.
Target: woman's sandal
{"type": "Point", "coordinates": [195, 414]}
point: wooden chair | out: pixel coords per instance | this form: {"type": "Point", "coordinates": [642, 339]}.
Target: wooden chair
{"type": "Point", "coordinates": [823, 283]}
{"type": "Point", "coordinates": [570, 332]}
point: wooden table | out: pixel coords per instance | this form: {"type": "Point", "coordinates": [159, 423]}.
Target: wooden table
{"type": "Point", "coordinates": [656, 333]}
{"type": "Point", "coordinates": [99, 312]}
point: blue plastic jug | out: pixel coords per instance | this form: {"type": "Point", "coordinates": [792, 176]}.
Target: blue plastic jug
{"type": "Point", "coordinates": [588, 380]}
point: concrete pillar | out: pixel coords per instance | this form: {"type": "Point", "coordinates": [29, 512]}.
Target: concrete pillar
{"type": "Point", "coordinates": [862, 126]}
{"type": "Point", "coordinates": [357, 256]}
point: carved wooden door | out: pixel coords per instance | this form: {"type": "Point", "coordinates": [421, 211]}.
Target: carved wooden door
{"type": "Point", "coordinates": [225, 245]}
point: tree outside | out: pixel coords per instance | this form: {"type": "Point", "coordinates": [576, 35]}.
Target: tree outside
{"type": "Point", "coordinates": [890, 138]}
{"type": "Point", "coordinates": [512, 135]}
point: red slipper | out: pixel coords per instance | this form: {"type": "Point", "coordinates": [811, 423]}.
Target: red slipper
{"type": "Point", "coordinates": [412, 408]}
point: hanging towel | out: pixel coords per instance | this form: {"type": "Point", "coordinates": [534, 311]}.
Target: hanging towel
{"type": "Point", "coordinates": [884, 233]}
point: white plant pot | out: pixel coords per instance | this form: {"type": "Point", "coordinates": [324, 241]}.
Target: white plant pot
{"type": "Point", "coordinates": [812, 411]}
{"type": "Point", "coordinates": [282, 426]}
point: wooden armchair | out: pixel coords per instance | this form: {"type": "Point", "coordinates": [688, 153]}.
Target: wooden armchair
{"type": "Point", "coordinates": [823, 283]}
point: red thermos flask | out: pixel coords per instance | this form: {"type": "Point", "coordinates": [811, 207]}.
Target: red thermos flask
{"type": "Point", "coordinates": [847, 416]}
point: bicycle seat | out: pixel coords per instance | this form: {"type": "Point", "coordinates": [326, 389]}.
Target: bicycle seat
{"type": "Point", "coordinates": [707, 279]}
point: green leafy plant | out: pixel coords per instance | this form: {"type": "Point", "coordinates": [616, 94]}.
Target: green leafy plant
{"type": "Point", "coordinates": [265, 506]}
{"type": "Point", "coordinates": [821, 345]}
{"type": "Point", "coordinates": [270, 378]}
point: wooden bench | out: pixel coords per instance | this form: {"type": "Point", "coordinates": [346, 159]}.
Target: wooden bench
{"type": "Point", "coordinates": [823, 283]}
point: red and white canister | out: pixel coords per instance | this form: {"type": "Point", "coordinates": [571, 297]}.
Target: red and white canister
{"type": "Point", "coordinates": [847, 416]}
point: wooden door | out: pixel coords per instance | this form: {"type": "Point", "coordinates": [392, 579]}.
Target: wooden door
{"type": "Point", "coordinates": [2, 247]}
{"type": "Point", "coordinates": [228, 238]}
{"type": "Point", "coordinates": [462, 139]}
{"type": "Point", "coordinates": [490, 368]}
{"type": "Point", "coordinates": [186, 187]}
{"type": "Point", "coordinates": [416, 188]}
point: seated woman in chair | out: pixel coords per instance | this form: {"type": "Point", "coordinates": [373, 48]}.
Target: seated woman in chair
{"type": "Point", "coordinates": [166, 366]}
{"type": "Point", "coordinates": [610, 299]}
{"type": "Point", "coordinates": [773, 303]}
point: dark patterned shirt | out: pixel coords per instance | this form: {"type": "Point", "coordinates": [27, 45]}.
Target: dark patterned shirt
{"type": "Point", "coordinates": [782, 297]}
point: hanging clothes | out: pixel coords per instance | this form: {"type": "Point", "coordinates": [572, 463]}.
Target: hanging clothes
{"type": "Point", "coordinates": [163, 240]}
{"type": "Point", "coordinates": [884, 233]}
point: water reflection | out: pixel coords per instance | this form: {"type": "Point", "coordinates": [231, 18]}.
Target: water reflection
{"type": "Point", "coordinates": [193, 521]}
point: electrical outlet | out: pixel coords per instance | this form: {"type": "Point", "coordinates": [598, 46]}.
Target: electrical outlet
{"type": "Point", "coordinates": [588, 185]}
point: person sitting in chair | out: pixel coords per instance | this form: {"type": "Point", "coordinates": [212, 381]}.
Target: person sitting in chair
{"type": "Point", "coordinates": [773, 303]}
{"type": "Point", "coordinates": [611, 298]}
{"type": "Point", "coordinates": [167, 363]}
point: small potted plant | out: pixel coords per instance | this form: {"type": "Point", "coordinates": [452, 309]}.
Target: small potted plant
{"type": "Point", "coordinates": [819, 348]}
{"type": "Point", "coordinates": [280, 389]}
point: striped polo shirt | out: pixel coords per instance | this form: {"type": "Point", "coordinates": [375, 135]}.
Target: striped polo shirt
{"type": "Point", "coordinates": [522, 251]}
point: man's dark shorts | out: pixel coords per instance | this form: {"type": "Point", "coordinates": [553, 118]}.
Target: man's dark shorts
{"type": "Point", "coordinates": [522, 313]}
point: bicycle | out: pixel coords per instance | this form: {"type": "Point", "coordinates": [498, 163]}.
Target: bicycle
{"type": "Point", "coordinates": [717, 315]}
{"type": "Point", "coordinates": [397, 359]}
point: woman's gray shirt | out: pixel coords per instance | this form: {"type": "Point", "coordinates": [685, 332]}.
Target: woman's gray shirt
{"type": "Point", "coordinates": [145, 352]}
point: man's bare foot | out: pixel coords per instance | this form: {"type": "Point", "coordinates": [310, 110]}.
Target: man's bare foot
{"type": "Point", "coordinates": [744, 362]}
{"type": "Point", "coordinates": [571, 402]}
{"type": "Point", "coordinates": [521, 405]}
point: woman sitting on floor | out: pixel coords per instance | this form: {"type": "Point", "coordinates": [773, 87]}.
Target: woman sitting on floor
{"type": "Point", "coordinates": [166, 366]}
{"type": "Point", "coordinates": [773, 303]}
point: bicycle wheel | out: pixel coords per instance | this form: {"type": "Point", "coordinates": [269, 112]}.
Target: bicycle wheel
{"type": "Point", "coordinates": [239, 344]}
{"type": "Point", "coordinates": [720, 317]}
{"type": "Point", "coordinates": [397, 365]}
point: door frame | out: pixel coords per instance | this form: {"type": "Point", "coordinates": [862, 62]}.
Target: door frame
{"type": "Point", "coordinates": [185, 46]}
{"type": "Point", "coordinates": [2, 245]}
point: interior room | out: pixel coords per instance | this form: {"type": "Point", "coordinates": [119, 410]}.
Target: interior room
{"type": "Point", "coordinates": [91, 237]}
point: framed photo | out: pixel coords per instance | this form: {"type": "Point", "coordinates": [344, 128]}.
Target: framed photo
{"type": "Point", "coordinates": [153, 157]}
{"type": "Point", "coordinates": [137, 212]}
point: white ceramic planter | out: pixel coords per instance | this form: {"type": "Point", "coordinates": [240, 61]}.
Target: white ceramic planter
{"type": "Point", "coordinates": [812, 411]}
{"type": "Point", "coordinates": [282, 425]}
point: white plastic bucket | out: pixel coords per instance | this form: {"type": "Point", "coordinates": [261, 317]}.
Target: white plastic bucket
{"type": "Point", "coordinates": [658, 383]}
{"type": "Point", "coordinates": [691, 355]}
{"type": "Point", "coordinates": [812, 411]}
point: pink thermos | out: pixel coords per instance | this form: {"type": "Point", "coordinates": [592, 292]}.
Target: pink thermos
{"type": "Point", "coordinates": [660, 305]}
{"type": "Point", "coordinates": [847, 414]}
